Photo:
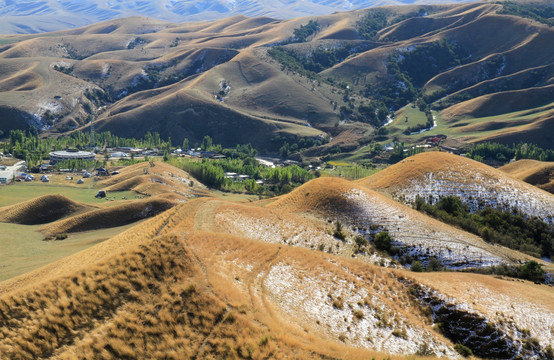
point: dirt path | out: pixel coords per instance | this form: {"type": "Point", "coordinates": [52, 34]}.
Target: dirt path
{"type": "Point", "coordinates": [205, 215]}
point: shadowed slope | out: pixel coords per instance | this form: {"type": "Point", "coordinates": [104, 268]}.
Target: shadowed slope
{"type": "Point", "coordinates": [110, 217]}
{"type": "Point", "coordinates": [40, 210]}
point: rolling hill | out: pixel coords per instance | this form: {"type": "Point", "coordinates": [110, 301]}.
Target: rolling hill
{"type": "Point", "coordinates": [242, 79]}
{"type": "Point", "coordinates": [538, 173]}
{"type": "Point", "coordinates": [433, 175]}
{"type": "Point", "coordinates": [43, 16]}
{"type": "Point", "coordinates": [213, 278]}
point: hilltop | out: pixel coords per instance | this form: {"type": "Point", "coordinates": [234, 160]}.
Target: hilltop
{"type": "Point", "coordinates": [334, 77]}
{"type": "Point", "coordinates": [433, 175]}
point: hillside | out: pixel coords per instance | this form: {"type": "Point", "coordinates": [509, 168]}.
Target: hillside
{"type": "Point", "coordinates": [335, 76]}
{"type": "Point", "coordinates": [44, 16]}
{"type": "Point", "coordinates": [538, 173]}
{"type": "Point", "coordinates": [433, 175]}
{"type": "Point", "coordinates": [211, 278]}
{"type": "Point", "coordinates": [41, 210]}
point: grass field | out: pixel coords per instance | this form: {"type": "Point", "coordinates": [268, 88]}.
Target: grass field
{"type": "Point", "coordinates": [23, 250]}
{"type": "Point", "coordinates": [408, 116]}
{"type": "Point", "coordinates": [18, 192]}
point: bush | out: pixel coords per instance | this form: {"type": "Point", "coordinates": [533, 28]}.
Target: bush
{"type": "Point", "coordinates": [463, 350]}
{"type": "Point", "coordinates": [533, 271]}
{"type": "Point", "coordinates": [383, 241]}
{"type": "Point", "coordinates": [339, 233]}
{"type": "Point", "coordinates": [416, 266]}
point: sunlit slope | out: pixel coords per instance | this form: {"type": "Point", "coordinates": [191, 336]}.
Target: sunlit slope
{"type": "Point", "coordinates": [433, 175]}
{"type": "Point", "coordinates": [172, 286]}
{"type": "Point", "coordinates": [160, 179]}
{"type": "Point", "coordinates": [538, 173]}
{"type": "Point", "coordinates": [216, 78]}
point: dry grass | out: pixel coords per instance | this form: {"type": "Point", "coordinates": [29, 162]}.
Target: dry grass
{"type": "Point", "coordinates": [41, 210]}
{"type": "Point", "coordinates": [436, 174]}
{"type": "Point", "coordinates": [538, 173]}
{"type": "Point", "coordinates": [150, 301]}
{"type": "Point", "coordinates": [191, 283]}
{"type": "Point", "coordinates": [110, 217]}
{"type": "Point", "coordinates": [160, 179]}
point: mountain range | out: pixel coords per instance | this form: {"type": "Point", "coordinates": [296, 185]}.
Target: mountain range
{"type": "Point", "coordinates": [32, 16]}
{"type": "Point", "coordinates": [472, 72]}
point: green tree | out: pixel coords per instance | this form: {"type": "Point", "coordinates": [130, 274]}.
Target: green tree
{"type": "Point", "coordinates": [416, 266]}
{"type": "Point", "coordinates": [206, 143]}
{"type": "Point", "coordinates": [383, 241]}
{"type": "Point", "coordinates": [533, 271]}
{"type": "Point", "coordinates": [185, 144]}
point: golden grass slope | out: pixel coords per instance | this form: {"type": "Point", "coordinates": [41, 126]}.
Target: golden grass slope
{"type": "Point", "coordinates": [174, 73]}
{"type": "Point", "coordinates": [154, 180]}
{"type": "Point", "coordinates": [534, 172]}
{"type": "Point", "coordinates": [41, 210]}
{"type": "Point", "coordinates": [162, 289]}
{"type": "Point", "coordinates": [112, 216]}
{"type": "Point", "coordinates": [432, 175]}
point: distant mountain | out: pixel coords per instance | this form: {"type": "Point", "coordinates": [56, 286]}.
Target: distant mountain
{"type": "Point", "coordinates": [34, 16]}
{"type": "Point", "coordinates": [472, 71]}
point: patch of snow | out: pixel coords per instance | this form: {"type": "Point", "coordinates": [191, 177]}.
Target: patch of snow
{"type": "Point", "coordinates": [348, 312]}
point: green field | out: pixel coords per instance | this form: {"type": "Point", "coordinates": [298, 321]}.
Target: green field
{"type": "Point", "coordinates": [18, 192]}
{"type": "Point", "coordinates": [22, 248]}
{"type": "Point", "coordinates": [408, 116]}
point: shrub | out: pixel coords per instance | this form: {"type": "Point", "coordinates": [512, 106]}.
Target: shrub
{"type": "Point", "coordinates": [463, 350]}
{"type": "Point", "coordinates": [383, 241]}
{"type": "Point", "coordinates": [339, 233]}
{"type": "Point", "coordinates": [61, 236]}
{"type": "Point", "coordinates": [533, 271]}
{"type": "Point", "coordinates": [416, 266]}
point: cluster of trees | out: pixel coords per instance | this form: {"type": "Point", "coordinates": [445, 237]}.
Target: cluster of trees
{"type": "Point", "coordinates": [508, 228]}
{"type": "Point", "coordinates": [316, 61]}
{"type": "Point", "coordinates": [212, 173]}
{"type": "Point", "coordinates": [490, 152]}
{"type": "Point", "coordinates": [289, 145]}
{"type": "Point", "coordinates": [374, 112]}
{"type": "Point", "coordinates": [99, 97]}
{"type": "Point", "coordinates": [371, 23]}
{"type": "Point", "coordinates": [302, 33]}
{"type": "Point", "coordinates": [76, 164]}
{"type": "Point", "coordinates": [136, 41]}
{"type": "Point", "coordinates": [531, 270]}
{"type": "Point", "coordinates": [376, 20]}
{"type": "Point", "coordinates": [543, 13]}
{"type": "Point", "coordinates": [241, 160]}
{"type": "Point", "coordinates": [26, 144]}
{"type": "Point", "coordinates": [291, 61]}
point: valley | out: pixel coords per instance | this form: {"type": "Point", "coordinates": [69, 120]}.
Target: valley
{"type": "Point", "coordinates": [338, 77]}
{"type": "Point", "coordinates": [276, 180]}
